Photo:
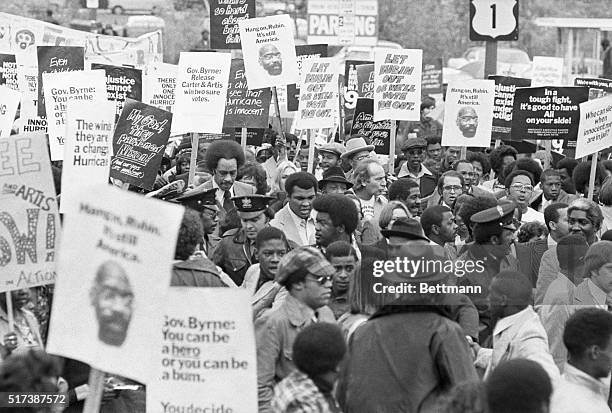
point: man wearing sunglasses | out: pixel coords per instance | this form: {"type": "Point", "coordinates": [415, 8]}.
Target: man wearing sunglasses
{"type": "Point", "coordinates": [307, 276]}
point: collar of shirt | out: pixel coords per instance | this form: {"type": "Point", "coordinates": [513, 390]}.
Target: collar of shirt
{"type": "Point", "coordinates": [219, 193]}
{"type": "Point", "coordinates": [507, 322]}
{"type": "Point", "coordinates": [298, 220]}
{"type": "Point", "coordinates": [550, 241]}
{"type": "Point", "coordinates": [298, 312]}
{"type": "Point", "coordinates": [580, 378]}
{"type": "Point", "coordinates": [598, 294]}
{"type": "Point", "coordinates": [404, 171]}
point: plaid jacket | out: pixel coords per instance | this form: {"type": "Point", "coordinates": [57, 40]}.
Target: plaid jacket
{"type": "Point", "coordinates": [298, 394]}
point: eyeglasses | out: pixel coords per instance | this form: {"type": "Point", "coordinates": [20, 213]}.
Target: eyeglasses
{"type": "Point", "coordinates": [522, 188]}
{"type": "Point", "coordinates": [322, 280]}
{"type": "Point", "coordinates": [361, 157]}
{"type": "Point", "coordinates": [452, 188]}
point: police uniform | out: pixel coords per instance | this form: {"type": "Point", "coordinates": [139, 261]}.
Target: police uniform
{"type": "Point", "coordinates": [200, 200]}
{"type": "Point", "coordinates": [235, 254]}
{"type": "Point", "coordinates": [481, 275]}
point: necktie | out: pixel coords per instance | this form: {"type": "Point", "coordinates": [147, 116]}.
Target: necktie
{"type": "Point", "coordinates": [227, 202]}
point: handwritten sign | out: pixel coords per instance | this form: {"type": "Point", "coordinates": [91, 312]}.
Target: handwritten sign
{"type": "Point", "coordinates": [397, 84]}
{"type": "Point", "coordinates": [9, 101]}
{"type": "Point", "coordinates": [56, 59]}
{"type": "Point", "coordinates": [30, 225]}
{"type": "Point", "coordinates": [139, 141]}
{"type": "Point", "coordinates": [8, 71]}
{"type": "Point", "coordinates": [364, 126]}
{"type": "Point", "coordinates": [318, 94]}
{"type": "Point", "coordinates": [121, 83]}
{"type": "Point", "coordinates": [595, 127]}
{"type": "Point", "coordinates": [547, 71]}
{"type": "Point", "coordinates": [303, 52]}
{"type": "Point", "coordinates": [224, 17]}
{"type": "Point", "coordinates": [245, 108]}
{"type": "Point", "coordinates": [503, 105]}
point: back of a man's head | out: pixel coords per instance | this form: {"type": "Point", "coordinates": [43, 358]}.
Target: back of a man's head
{"type": "Point", "coordinates": [318, 349]}
{"type": "Point", "coordinates": [515, 286]}
{"type": "Point", "coordinates": [518, 386]}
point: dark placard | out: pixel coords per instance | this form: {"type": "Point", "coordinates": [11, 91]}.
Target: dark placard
{"type": "Point", "coordinates": [139, 142]}
{"type": "Point", "coordinates": [431, 80]}
{"type": "Point", "coordinates": [504, 104]}
{"type": "Point", "coordinates": [8, 71]}
{"type": "Point", "coordinates": [245, 108]}
{"type": "Point", "coordinates": [302, 52]}
{"type": "Point", "coordinates": [597, 87]}
{"type": "Point", "coordinates": [363, 125]}
{"type": "Point", "coordinates": [365, 81]}
{"type": "Point", "coordinates": [351, 85]}
{"type": "Point", "coordinates": [254, 136]}
{"type": "Point", "coordinates": [547, 113]}
{"type": "Point", "coordinates": [224, 17]}
{"type": "Point", "coordinates": [121, 83]}
{"type": "Point", "coordinates": [52, 59]}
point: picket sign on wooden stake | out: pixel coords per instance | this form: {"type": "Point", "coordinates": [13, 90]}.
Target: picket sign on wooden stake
{"type": "Point", "coordinates": [592, 177]}
{"type": "Point", "coordinates": [340, 110]}
{"type": "Point", "coordinates": [194, 158]}
{"type": "Point", "coordinates": [96, 389]}
{"type": "Point", "coordinates": [278, 113]}
{"type": "Point", "coordinates": [243, 138]}
{"type": "Point", "coordinates": [298, 146]}
{"type": "Point", "coordinates": [9, 310]}
{"type": "Point", "coordinates": [311, 150]}
{"type": "Point", "coordinates": [463, 152]}
{"type": "Point", "coordinates": [392, 137]}
{"type": "Point", "coordinates": [547, 148]}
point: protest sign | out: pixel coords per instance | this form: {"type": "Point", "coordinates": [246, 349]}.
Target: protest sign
{"type": "Point", "coordinates": [268, 49]}
{"type": "Point", "coordinates": [160, 86]}
{"type": "Point", "coordinates": [547, 71]}
{"type": "Point", "coordinates": [380, 136]}
{"type": "Point", "coordinates": [365, 81]}
{"type": "Point", "coordinates": [468, 113]}
{"type": "Point", "coordinates": [9, 101]}
{"type": "Point", "coordinates": [115, 266]}
{"type": "Point", "coordinates": [88, 146]}
{"type": "Point", "coordinates": [121, 83]}
{"type": "Point", "coordinates": [547, 112]}
{"type": "Point", "coordinates": [204, 354]}
{"type": "Point", "coordinates": [8, 71]}
{"type": "Point", "coordinates": [139, 141]}
{"type": "Point", "coordinates": [595, 127]}
{"type": "Point", "coordinates": [28, 86]}
{"type": "Point", "coordinates": [503, 106]}
{"type": "Point", "coordinates": [201, 92]}
{"type": "Point", "coordinates": [318, 94]}
{"type": "Point", "coordinates": [56, 59]}
{"type": "Point", "coordinates": [351, 83]}
{"type": "Point", "coordinates": [327, 23]}
{"type": "Point", "coordinates": [254, 136]}
{"type": "Point", "coordinates": [30, 225]}
{"type": "Point", "coordinates": [597, 87]}
{"type": "Point", "coordinates": [397, 84]}
{"type": "Point", "coordinates": [364, 126]}
{"type": "Point", "coordinates": [303, 52]}
{"type": "Point", "coordinates": [224, 17]}
{"type": "Point", "coordinates": [245, 107]}
{"type": "Point", "coordinates": [431, 80]}
{"type": "Point", "coordinates": [62, 87]}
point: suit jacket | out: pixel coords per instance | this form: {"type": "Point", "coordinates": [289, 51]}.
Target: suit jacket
{"type": "Point", "coordinates": [284, 221]}
{"type": "Point", "coordinates": [549, 268]}
{"type": "Point", "coordinates": [584, 296]}
{"type": "Point", "coordinates": [240, 189]}
{"type": "Point", "coordinates": [564, 197]}
{"type": "Point", "coordinates": [529, 255]}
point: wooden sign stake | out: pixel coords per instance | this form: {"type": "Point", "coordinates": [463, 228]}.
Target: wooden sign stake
{"type": "Point", "coordinates": [547, 148]}
{"type": "Point", "coordinates": [392, 137]}
{"type": "Point", "coordinates": [96, 389]}
{"type": "Point", "coordinates": [9, 311]}
{"type": "Point", "coordinates": [243, 138]}
{"type": "Point", "coordinates": [592, 177]}
{"type": "Point", "coordinates": [278, 113]}
{"type": "Point", "coordinates": [311, 150]}
{"type": "Point", "coordinates": [194, 157]}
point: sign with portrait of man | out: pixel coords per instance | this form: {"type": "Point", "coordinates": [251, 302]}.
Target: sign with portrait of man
{"type": "Point", "coordinates": [468, 113]}
{"type": "Point", "coordinates": [115, 265]}
{"type": "Point", "coordinates": [268, 49]}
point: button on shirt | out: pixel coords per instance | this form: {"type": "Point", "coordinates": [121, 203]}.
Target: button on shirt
{"type": "Point", "coordinates": [577, 392]}
{"type": "Point", "coordinates": [305, 227]}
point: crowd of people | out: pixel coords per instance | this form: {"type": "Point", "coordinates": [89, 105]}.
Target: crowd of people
{"type": "Point", "coordinates": [339, 326]}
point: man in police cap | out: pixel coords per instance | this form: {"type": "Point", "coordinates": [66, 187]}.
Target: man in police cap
{"type": "Point", "coordinates": [494, 233]}
{"type": "Point", "coordinates": [236, 250]}
{"type": "Point", "coordinates": [204, 202]}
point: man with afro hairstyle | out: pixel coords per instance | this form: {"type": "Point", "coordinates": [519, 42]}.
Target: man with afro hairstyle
{"type": "Point", "coordinates": [581, 176]}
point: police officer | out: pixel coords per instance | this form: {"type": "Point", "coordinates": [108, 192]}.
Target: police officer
{"type": "Point", "coordinates": [494, 233]}
{"type": "Point", "coordinates": [236, 250]}
{"type": "Point", "coordinates": [203, 201]}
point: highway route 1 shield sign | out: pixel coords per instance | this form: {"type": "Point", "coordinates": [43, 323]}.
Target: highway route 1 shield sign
{"type": "Point", "coordinates": [493, 20]}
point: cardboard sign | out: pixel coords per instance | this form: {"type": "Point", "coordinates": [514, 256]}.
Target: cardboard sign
{"type": "Point", "coordinates": [28, 86]}
{"type": "Point", "coordinates": [431, 80]}
{"type": "Point", "coordinates": [254, 136]}
{"type": "Point", "coordinates": [468, 114]}
{"type": "Point", "coordinates": [62, 87]}
{"type": "Point", "coordinates": [201, 92]}
{"type": "Point", "coordinates": [397, 84]}
{"type": "Point", "coordinates": [318, 94]}
{"type": "Point", "coordinates": [8, 71]}
{"type": "Point", "coordinates": [224, 17]}
{"type": "Point", "coordinates": [9, 101]}
{"type": "Point", "coordinates": [597, 87]}
{"type": "Point", "coordinates": [547, 71]}
{"type": "Point", "coordinates": [595, 127]}
{"type": "Point", "coordinates": [204, 355]}
{"type": "Point", "coordinates": [303, 52]}
{"type": "Point", "coordinates": [115, 265]}
{"type": "Point", "coordinates": [160, 86]}
{"type": "Point", "coordinates": [88, 147]}
{"type": "Point", "coordinates": [547, 112]}
{"type": "Point", "coordinates": [245, 108]}
{"type": "Point", "coordinates": [30, 225]}
{"type": "Point", "coordinates": [351, 83]}
{"type": "Point", "coordinates": [268, 49]}
{"type": "Point", "coordinates": [503, 106]}
{"type": "Point", "coordinates": [56, 59]}
{"type": "Point", "coordinates": [121, 83]}
{"type": "Point", "coordinates": [380, 137]}
{"type": "Point", "coordinates": [139, 142]}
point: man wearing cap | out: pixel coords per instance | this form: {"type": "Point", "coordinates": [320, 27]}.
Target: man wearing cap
{"type": "Point", "coordinates": [493, 232]}
{"type": "Point", "coordinates": [330, 154]}
{"type": "Point", "coordinates": [357, 150]}
{"type": "Point", "coordinates": [307, 276]}
{"type": "Point", "coordinates": [414, 151]}
{"type": "Point", "coordinates": [334, 181]}
{"type": "Point", "coordinates": [203, 201]}
{"type": "Point", "coordinates": [236, 251]}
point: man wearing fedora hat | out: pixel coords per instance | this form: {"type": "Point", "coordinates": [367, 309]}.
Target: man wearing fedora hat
{"type": "Point", "coordinates": [334, 181]}
{"type": "Point", "coordinates": [236, 251]}
{"type": "Point", "coordinates": [414, 150]}
{"type": "Point", "coordinates": [357, 150]}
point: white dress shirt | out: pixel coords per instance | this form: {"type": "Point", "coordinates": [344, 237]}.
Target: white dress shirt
{"type": "Point", "coordinates": [305, 227]}
{"type": "Point", "coordinates": [577, 392]}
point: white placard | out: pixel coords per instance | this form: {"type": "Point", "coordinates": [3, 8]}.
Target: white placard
{"type": "Point", "coordinates": [9, 101]}
{"type": "Point", "coordinates": [204, 354]}
{"type": "Point", "coordinates": [468, 113]}
{"type": "Point", "coordinates": [268, 49]}
{"type": "Point", "coordinates": [318, 94]}
{"type": "Point", "coordinates": [159, 86]}
{"type": "Point", "coordinates": [397, 84]}
{"type": "Point", "coordinates": [114, 271]}
{"type": "Point", "coordinates": [547, 71]}
{"type": "Point", "coordinates": [595, 127]}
